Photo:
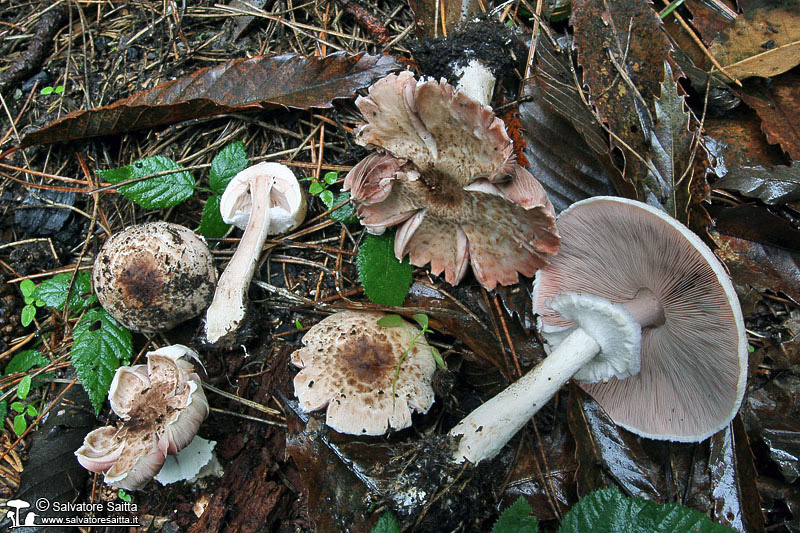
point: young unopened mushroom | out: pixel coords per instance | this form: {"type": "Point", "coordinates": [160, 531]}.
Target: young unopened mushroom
{"type": "Point", "coordinates": [638, 310]}
{"type": "Point", "coordinates": [264, 199]}
{"type": "Point", "coordinates": [151, 277]}
{"type": "Point", "coordinates": [448, 177]}
{"type": "Point", "coordinates": [161, 405]}
{"type": "Point", "coordinates": [349, 364]}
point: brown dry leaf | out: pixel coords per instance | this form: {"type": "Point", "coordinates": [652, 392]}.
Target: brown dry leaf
{"type": "Point", "coordinates": [762, 42]}
{"type": "Point", "coordinates": [778, 105]}
{"type": "Point", "coordinates": [290, 80]}
{"type": "Point", "coordinates": [428, 15]}
{"type": "Point", "coordinates": [622, 49]}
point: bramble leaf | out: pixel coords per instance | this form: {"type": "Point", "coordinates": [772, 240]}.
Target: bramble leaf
{"type": "Point", "coordinates": [385, 279]}
{"type": "Point", "coordinates": [53, 292]}
{"type": "Point", "coordinates": [211, 223]}
{"type": "Point", "coordinates": [100, 344]}
{"type": "Point", "coordinates": [345, 214]}
{"type": "Point", "coordinates": [386, 524]}
{"type": "Point", "coordinates": [153, 193]}
{"type": "Point", "coordinates": [517, 519]}
{"type": "Point", "coordinates": [226, 164]}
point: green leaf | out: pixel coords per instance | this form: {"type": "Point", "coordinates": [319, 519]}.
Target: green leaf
{"type": "Point", "coordinates": [47, 90]}
{"type": "Point", "coordinates": [327, 198]}
{"type": "Point", "coordinates": [517, 519]}
{"type": "Point", "coordinates": [226, 164]}
{"type": "Point", "coordinates": [315, 188]}
{"type": "Point", "coordinates": [99, 344]}
{"type": "Point", "coordinates": [26, 287]}
{"type": "Point", "coordinates": [609, 510]}
{"type": "Point", "coordinates": [297, 323]}
{"type": "Point", "coordinates": [19, 407]}
{"type": "Point", "coordinates": [29, 300]}
{"type": "Point", "coordinates": [20, 425]}
{"type": "Point", "coordinates": [32, 411]}
{"type": "Point", "coordinates": [3, 411]}
{"type": "Point", "coordinates": [24, 388]}
{"type": "Point", "coordinates": [124, 496]}
{"type": "Point", "coordinates": [53, 291]}
{"type": "Point", "coordinates": [345, 214]}
{"type": "Point", "coordinates": [390, 321]}
{"type": "Point", "coordinates": [211, 223]}
{"type": "Point", "coordinates": [330, 177]}
{"type": "Point", "coordinates": [438, 358]}
{"type": "Point", "coordinates": [25, 360]}
{"type": "Point", "coordinates": [156, 192]}
{"type": "Point", "coordinates": [421, 319]}
{"type": "Point", "coordinates": [385, 279]}
{"type": "Point", "coordinates": [26, 317]}
{"type": "Point", "coordinates": [386, 524]}
{"type": "Point", "coordinates": [59, 89]}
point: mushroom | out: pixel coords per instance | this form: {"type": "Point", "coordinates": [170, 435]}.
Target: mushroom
{"type": "Point", "coordinates": [189, 463]}
{"type": "Point", "coordinates": [350, 364]}
{"type": "Point", "coordinates": [161, 405]}
{"type": "Point", "coordinates": [264, 199]}
{"type": "Point", "coordinates": [448, 176]}
{"type": "Point", "coordinates": [151, 277]}
{"type": "Point", "coordinates": [638, 310]}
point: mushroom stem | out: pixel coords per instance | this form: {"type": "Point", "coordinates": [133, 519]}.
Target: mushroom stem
{"type": "Point", "coordinates": [227, 311]}
{"type": "Point", "coordinates": [488, 428]}
{"type": "Point", "coordinates": [476, 80]}
{"type": "Point", "coordinates": [645, 308]}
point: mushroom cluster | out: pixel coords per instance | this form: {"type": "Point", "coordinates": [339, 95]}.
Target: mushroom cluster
{"type": "Point", "coordinates": [351, 365]}
{"type": "Point", "coordinates": [151, 277]}
{"type": "Point", "coordinates": [638, 310]}
{"type": "Point", "coordinates": [445, 173]}
{"type": "Point", "coordinates": [161, 405]}
{"type": "Point", "coordinates": [264, 199]}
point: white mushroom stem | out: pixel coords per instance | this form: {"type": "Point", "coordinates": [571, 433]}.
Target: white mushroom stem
{"type": "Point", "coordinates": [227, 311]}
{"type": "Point", "coordinates": [488, 428]}
{"type": "Point", "coordinates": [476, 80]}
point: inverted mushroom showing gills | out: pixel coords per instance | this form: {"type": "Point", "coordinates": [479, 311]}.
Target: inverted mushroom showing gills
{"type": "Point", "coordinates": [446, 175]}
{"type": "Point", "coordinates": [161, 405]}
{"type": "Point", "coordinates": [151, 277]}
{"type": "Point", "coordinates": [264, 199]}
{"type": "Point", "coordinates": [349, 364]}
{"type": "Point", "coordinates": [638, 310]}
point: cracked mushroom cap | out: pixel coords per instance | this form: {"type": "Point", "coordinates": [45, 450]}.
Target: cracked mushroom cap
{"type": "Point", "coordinates": [348, 364]}
{"type": "Point", "coordinates": [693, 365]}
{"type": "Point", "coordinates": [161, 406]}
{"type": "Point", "coordinates": [446, 175]}
{"type": "Point", "coordinates": [151, 277]}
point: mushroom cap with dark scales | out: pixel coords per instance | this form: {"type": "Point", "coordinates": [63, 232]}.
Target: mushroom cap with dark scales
{"type": "Point", "coordinates": [151, 277]}
{"type": "Point", "coordinates": [349, 363]}
{"type": "Point", "coordinates": [446, 173]}
{"type": "Point", "coordinates": [694, 365]}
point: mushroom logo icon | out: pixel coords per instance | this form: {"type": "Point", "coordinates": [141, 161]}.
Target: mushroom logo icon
{"type": "Point", "coordinates": [16, 505]}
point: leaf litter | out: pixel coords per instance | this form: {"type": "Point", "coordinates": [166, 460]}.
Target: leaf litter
{"type": "Point", "coordinates": [615, 101]}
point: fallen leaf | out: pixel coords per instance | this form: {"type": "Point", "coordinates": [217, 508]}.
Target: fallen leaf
{"type": "Point", "coordinates": [756, 223]}
{"type": "Point", "coordinates": [738, 141]}
{"type": "Point", "coordinates": [431, 15]}
{"type": "Point", "coordinates": [238, 85]}
{"type": "Point", "coordinates": [778, 105]}
{"type": "Point", "coordinates": [762, 42]}
{"type": "Point", "coordinates": [774, 185]}
{"type": "Point", "coordinates": [622, 49]}
{"type": "Point", "coordinates": [710, 18]}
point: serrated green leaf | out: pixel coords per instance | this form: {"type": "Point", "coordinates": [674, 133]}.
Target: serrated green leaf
{"type": "Point", "coordinates": [26, 287]}
{"type": "Point", "coordinates": [345, 214]}
{"type": "Point", "coordinates": [421, 319]}
{"type": "Point", "coordinates": [26, 317]}
{"type": "Point", "coordinates": [20, 424]}
{"type": "Point", "coordinates": [53, 291]}
{"type": "Point", "coordinates": [386, 524]}
{"type": "Point", "coordinates": [18, 407]}
{"type": "Point", "coordinates": [157, 192]}
{"type": "Point", "coordinates": [517, 519]}
{"type": "Point", "coordinates": [24, 361]}
{"type": "Point", "coordinates": [385, 279]}
{"type": "Point", "coordinates": [99, 345]}
{"type": "Point", "coordinates": [226, 164]}
{"type": "Point", "coordinates": [211, 223]}
{"type": "Point", "coordinates": [609, 510]}
{"type": "Point", "coordinates": [390, 321]}
{"type": "Point", "coordinates": [327, 198]}
{"type": "Point", "coordinates": [3, 411]}
{"type": "Point", "coordinates": [24, 387]}
{"type": "Point", "coordinates": [315, 188]}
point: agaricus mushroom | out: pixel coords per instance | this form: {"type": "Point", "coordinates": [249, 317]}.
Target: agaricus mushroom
{"type": "Point", "coordinates": [638, 310]}
{"type": "Point", "coordinates": [161, 405]}
{"type": "Point", "coordinates": [264, 199]}
{"type": "Point", "coordinates": [151, 277]}
{"type": "Point", "coordinates": [448, 176]}
{"type": "Point", "coordinates": [349, 364]}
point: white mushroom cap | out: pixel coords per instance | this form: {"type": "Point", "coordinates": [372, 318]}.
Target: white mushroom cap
{"type": "Point", "coordinates": [151, 277]}
{"type": "Point", "coordinates": [349, 363]}
{"type": "Point", "coordinates": [694, 364]}
{"type": "Point", "coordinates": [286, 199]}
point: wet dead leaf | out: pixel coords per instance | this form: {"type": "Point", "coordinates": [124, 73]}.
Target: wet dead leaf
{"type": "Point", "coordinates": [778, 105]}
{"type": "Point", "coordinates": [290, 80]}
{"type": "Point", "coordinates": [763, 41]}
{"type": "Point", "coordinates": [738, 141]}
{"type": "Point", "coordinates": [756, 223]}
{"type": "Point", "coordinates": [774, 185]}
